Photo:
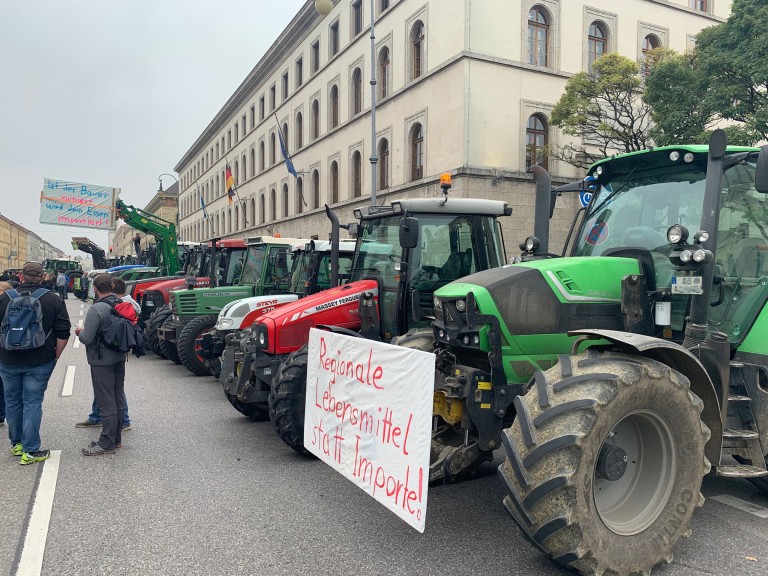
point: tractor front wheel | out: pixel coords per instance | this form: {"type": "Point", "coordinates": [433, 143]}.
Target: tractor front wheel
{"type": "Point", "coordinates": [605, 461]}
{"type": "Point", "coordinates": [168, 348]}
{"type": "Point", "coordinates": [256, 412]}
{"type": "Point", "coordinates": [187, 346]}
{"type": "Point", "coordinates": [156, 320]}
{"type": "Point", "coordinates": [286, 400]}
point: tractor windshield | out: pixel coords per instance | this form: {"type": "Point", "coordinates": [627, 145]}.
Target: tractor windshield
{"type": "Point", "coordinates": [253, 265]}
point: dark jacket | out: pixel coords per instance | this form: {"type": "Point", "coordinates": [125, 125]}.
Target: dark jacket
{"type": "Point", "coordinates": [95, 351]}
{"type": "Point", "coordinates": [55, 322]}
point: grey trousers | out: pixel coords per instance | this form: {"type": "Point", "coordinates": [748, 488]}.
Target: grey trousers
{"type": "Point", "coordinates": [109, 392]}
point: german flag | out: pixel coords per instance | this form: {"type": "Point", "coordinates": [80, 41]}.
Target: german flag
{"type": "Point", "coordinates": [230, 184]}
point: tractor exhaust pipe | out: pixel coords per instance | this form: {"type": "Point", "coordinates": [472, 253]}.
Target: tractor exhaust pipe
{"type": "Point", "coordinates": [334, 245]}
{"type": "Point", "coordinates": [214, 275]}
{"type": "Point", "coordinates": [543, 210]}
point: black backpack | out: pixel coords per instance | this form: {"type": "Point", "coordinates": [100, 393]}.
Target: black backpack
{"type": "Point", "coordinates": [118, 333]}
{"type": "Point", "coordinates": [22, 325]}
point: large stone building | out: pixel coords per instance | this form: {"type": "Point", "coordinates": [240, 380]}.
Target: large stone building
{"type": "Point", "coordinates": [19, 245]}
{"type": "Point", "coordinates": [463, 86]}
{"type": "Point", "coordinates": [164, 205]}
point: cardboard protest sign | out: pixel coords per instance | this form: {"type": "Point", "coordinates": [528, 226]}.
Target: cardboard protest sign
{"type": "Point", "coordinates": [368, 415]}
{"type": "Point", "coordinates": [66, 203]}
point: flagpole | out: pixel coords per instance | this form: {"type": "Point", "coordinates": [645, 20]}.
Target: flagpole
{"type": "Point", "coordinates": [237, 192]}
{"type": "Point", "coordinates": [286, 156]}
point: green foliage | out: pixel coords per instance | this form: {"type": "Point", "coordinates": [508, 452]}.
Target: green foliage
{"type": "Point", "coordinates": [605, 110]}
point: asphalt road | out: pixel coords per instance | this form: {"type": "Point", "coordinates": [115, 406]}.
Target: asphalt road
{"type": "Point", "coordinates": [199, 489]}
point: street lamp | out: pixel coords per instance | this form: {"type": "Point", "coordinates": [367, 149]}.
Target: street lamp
{"type": "Point", "coordinates": [324, 7]}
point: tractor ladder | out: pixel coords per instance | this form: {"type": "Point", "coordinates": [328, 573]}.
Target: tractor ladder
{"type": "Point", "coordinates": [742, 454]}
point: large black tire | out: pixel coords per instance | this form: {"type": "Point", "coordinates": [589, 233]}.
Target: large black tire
{"type": "Point", "coordinates": [156, 320]}
{"type": "Point", "coordinates": [286, 400]}
{"type": "Point", "coordinates": [256, 412]}
{"type": "Point", "coordinates": [597, 416]}
{"type": "Point", "coordinates": [417, 339]}
{"type": "Point", "coordinates": [185, 344]}
{"type": "Point", "coordinates": [168, 348]}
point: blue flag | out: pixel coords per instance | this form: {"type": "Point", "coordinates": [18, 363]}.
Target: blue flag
{"type": "Point", "coordinates": [286, 157]}
{"type": "Point", "coordinates": [202, 203]}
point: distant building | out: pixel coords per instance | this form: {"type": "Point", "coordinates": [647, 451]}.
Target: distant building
{"type": "Point", "coordinates": [462, 87]}
{"type": "Point", "coordinates": [19, 245]}
{"type": "Point", "coordinates": [164, 204]}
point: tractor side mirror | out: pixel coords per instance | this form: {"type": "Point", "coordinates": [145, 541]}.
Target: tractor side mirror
{"type": "Point", "coordinates": [761, 171]}
{"type": "Point", "coordinates": [353, 229]}
{"type": "Point", "coordinates": [409, 232]}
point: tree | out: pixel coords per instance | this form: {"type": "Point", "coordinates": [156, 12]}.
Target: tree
{"type": "Point", "coordinates": [604, 108]}
{"type": "Point", "coordinates": [726, 78]}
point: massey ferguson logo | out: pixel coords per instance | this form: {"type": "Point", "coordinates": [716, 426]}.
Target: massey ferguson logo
{"type": "Point", "coordinates": [327, 305]}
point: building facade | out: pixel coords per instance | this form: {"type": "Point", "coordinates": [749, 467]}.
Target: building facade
{"type": "Point", "coordinates": [19, 245]}
{"type": "Point", "coordinates": [462, 86]}
{"type": "Point", "coordinates": [164, 204]}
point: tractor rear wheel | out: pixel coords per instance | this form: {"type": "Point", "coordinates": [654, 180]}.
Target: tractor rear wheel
{"type": "Point", "coordinates": [167, 347]}
{"type": "Point", "coordinates": [186, 344]}
{"type": "Point", "coordinates": [156, 320]}
{"type": "Point", "coordinates": [256, 412]}
{"type": "Point", "coordinates": [605, 461]}
{"type": "Point", "coordinates": [286, 400]}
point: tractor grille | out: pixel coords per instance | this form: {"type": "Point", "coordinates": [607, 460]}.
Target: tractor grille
{"type": "Point", "coordinates": [185, 302]}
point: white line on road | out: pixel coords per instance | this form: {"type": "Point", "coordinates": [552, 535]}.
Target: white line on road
{"type": "Point", "coordinates": [77, 343]}
{"type": "Point", "coordinates": [742, 505]}
{"type": "Point", "coordinates": [81, 312]}
{"type": "Point", "coordinates": [31, 560]}
{"type": "Point", "coordinates": [69, 381]}
{"type": "Point", "coordinates": [82, 305]}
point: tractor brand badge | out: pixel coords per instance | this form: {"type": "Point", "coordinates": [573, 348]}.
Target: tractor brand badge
{"type": "Point", "coordinates": [598, 234]}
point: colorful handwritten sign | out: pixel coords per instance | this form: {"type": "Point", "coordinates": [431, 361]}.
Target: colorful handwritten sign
{"type": "Point", "coordinates": [75, 204]}
{"type": "Point", "coordinates": [368, 415]}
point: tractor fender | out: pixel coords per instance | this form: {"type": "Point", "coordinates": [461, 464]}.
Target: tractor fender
{"type": "Point", "coordinates": [677, 358]}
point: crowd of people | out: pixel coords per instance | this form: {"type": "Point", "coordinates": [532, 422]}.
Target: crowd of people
{"type": "Point", "coordinates": [28, 357]}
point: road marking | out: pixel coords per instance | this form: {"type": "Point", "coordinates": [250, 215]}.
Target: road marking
{"type": "Point", "coordinates": [742, 505]}
{"type": "Point", "coordinates": [82, 305]}
{"type": "Point", "coordinates": [77, 340]}
{"type": "Point", "coordinates": [69, 381]}
{"type": "Point", "coordinates": [31, 560]}
{"type": "Point", "coordinates": [81, 312]}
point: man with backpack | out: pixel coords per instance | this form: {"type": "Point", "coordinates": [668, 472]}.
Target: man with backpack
{"type": "Point", "coordinates": [33, 333]}
{"type": "Point", "coordinates": [107, 368]}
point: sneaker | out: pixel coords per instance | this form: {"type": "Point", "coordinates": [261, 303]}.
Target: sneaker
{"type": "Point", "coordinates": [95, 450]}
{"type": "Point", "coordinates": [118, 445]}
{"type": "Point", "coordinates": [88, 424]}
{"type": "Point", "coordinates": [32, 457]}
{"type": "Point", "coordinates": [127, 427]}
{"type": "Point", "coordinates": [17, 450]}
{"type": "Point", "coordinates": [2, 422]}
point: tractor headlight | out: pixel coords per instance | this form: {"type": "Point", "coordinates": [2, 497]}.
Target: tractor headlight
{"type": "Point", "coordinates": [700, 237]}
{"type": "Point", "coordinates": [476, 340]}
{"type": "Point", "coordinates": [531, 244]}
{"type": "Point", "coordinates": [437, 303]}
{"type": "Point", "coordinates": [226, 323]}
{"type": "Point", "coordinates": [674, 156]}
{"type": "Point", "coordinates": [441, 334]}
{"type": "Point", "coordinates": [262, 339]}
{"type": "Point", "coordinates": [702, 256]}
{"type": "Point", "coordinates": [461, 305]}
{"type": "Point", "coordinates": [686, 256]}
{"type": "Point", "coordinates": [688, 157]}
{"type": "Point", "coordinates": [677, 234]}
{"type": "Point", "coordinates": [465, 340]}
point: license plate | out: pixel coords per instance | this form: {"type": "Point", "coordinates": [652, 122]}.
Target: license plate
{"type": "Point", "coordinates": [687, 285]}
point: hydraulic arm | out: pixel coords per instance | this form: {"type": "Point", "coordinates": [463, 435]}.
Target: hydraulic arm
{"type": "Point", "coordinates": [162, 230]}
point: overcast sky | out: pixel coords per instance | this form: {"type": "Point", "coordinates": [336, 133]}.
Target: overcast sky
{"type": "Point", "coordinates": [113, 93]}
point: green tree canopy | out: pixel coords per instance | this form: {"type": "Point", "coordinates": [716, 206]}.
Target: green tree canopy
{"type": "Point", "coordinates": [604, 108]}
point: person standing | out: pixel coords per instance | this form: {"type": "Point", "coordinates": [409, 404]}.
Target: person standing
{"type": "Point", "coordinates": [4, 286]}
{"type": "Point", "coordinates": [61, 284]}
{"type": "Point", "coordinates": [107, 370]}
{"type": "Point", "coordinates": [25, 373]}
{"type": "Point", "coordinates": [137, 247]}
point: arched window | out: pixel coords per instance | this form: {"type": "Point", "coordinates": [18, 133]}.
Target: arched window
{"type": "Point", "coordinates": [273, 205]}
{"type": "Point", "coordinates": [261, 156]}
{"type": "Point", "coordinates": [315, 120]}
{"type": "Point", "coordinates": [285, 200]}
{"type": "Point", "coordinates": [218, 224]}
{"type": "Point", "coordinates": [357, 91]}
{"type": "Point", "coordinates": [536, 140]}
{"type": "Point", "coordinates": [598, 42]}
{"type": "Point", "coordinates": [334, 182]}
{"type": "Point", "coordinates": [383, 154]}
{"type": "Point", "coordinates": [272, 149]}
{"type": "Point", "coordinates": [262, 210]}
{"type": "Point", "coordinates": [417, 152]}
{"type": "Point", "coordinates": [237, 174]}
{"type": "Point", "coordinates": [299, 196]}
{"type": "Point", "coordinates": [299, 131]}
{"type": "Point", "coordinates": [285, 135]}
{"type": "Point", "coordinates": [384, 67]}
{"type": "Point", "coordinates": [245, 168]}
{"type": "Point", "coordinates": [357, 174]}
{"type": "Point", "coordinates": [245, 215]}
{"type": "Point", "coordinates": [237, 217]}
{"type": "Point", "coordinates": [538, 37]}
{"type": "Point", "coordinates": [417, 45]}
{"type": "Point", "coordinates": [253, 162]}
{"type": "Point", "coordinates": [229, 220]}
{"type": "Point", "coordinates": [315, 189]}
{"type": "Point", "coordinates": [650, 42]}
{"type": "Point", "coordinates": [253, 211]}
{"type": "Point", "coordinates": [334, 112]}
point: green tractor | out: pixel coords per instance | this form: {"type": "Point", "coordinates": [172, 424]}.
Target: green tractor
{"type": "Point", "coordinates": [194, 311]}
{"type": "Point", "coordinates": [616, 377]}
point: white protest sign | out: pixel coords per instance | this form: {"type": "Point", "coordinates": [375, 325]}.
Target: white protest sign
{"type": "Point", "coordinates": [76, 204]}
{"type": "Point", "coordinates": [368, 415]}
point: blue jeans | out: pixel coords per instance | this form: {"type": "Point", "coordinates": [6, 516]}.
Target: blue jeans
{"type": "Point", "coordinates": [95, 416]}
{"type": "Point", "coordinates": [25, 387]}
{"type": "Point", "coordinates": [2, 402]}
